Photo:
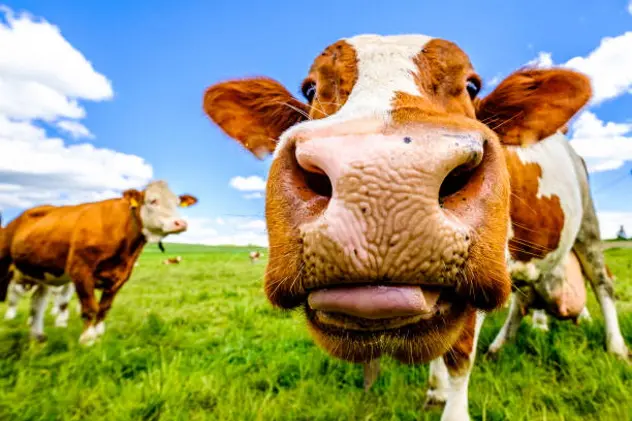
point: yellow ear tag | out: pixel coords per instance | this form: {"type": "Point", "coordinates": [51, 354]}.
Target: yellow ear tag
{"type": "Point", "coordinates": [134, 203]}
{"type": "Point", "coordinates": [184, 204]}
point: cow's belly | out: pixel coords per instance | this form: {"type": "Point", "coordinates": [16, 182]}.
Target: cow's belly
{"type": "Point", "coordinates": [43, 278]}
{"type": "Point", "coordinates": [546, 209]}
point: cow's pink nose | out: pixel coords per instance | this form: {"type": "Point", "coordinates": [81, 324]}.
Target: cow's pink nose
{"type": "Point", "coordinates": [180, 224]}
{"type": "Point", "coordinates": [442, 164]}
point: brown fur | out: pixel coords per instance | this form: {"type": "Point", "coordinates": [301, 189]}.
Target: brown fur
{"type": "Point", "coordinates": [253, 111]}
{"type": "Point", "coordinates": [96, 244]}
{"type": "Point", "coordinates": [335, 72]}
{"type": "Point", "coordinates": [537, 222]}
{"type": "Point", "coordinates": [458, 357]}
{"type": "Point", "coordinates": [528, 105]}
{"type": "Point", "coordinates": [532, 104]}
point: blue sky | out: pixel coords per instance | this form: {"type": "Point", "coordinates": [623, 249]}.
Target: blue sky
{"type": "Point", "coordinates": [159, 58]}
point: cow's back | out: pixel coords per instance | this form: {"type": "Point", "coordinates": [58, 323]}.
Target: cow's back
{"type": "Point", "coordinates": [43, 238]}
{"type": "Point", "coordinates": [546, 205]}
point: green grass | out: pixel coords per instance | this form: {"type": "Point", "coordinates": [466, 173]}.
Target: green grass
{"type": "Point", "coordinates": [198, 341]}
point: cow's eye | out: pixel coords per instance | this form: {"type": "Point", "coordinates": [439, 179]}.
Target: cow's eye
{"type": "Point", "coordinates": [473, 87]}
{"type": "Point", "coordinates": [153, 202]}
{"type": "Point", "coordinates": [309, 91]}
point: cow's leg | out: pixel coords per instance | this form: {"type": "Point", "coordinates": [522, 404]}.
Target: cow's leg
{"type": "Point", "coordinates": [589, 251]}
{"type": "Point", "coordinates": [459, 361]}
{"type": "Point", "coordinates": [438, 383]}
{"type": "Point", "coordinates": [104, 306]}
{"type": "Point", "coordinates": [518, 308]}
{"type": "Point", "coordinates": [61, 303]}
{"type": "Point", "coordinates": [39, 302]}
{"type": "Point", "coordinates": [591, 258]}
{"type": "Point", "coordinates": [540, 320]}
{"type": "Point", "coordinates": [14, 294]}
{"type": "Point", "coordinates": [371, 373]}
{"type": "Point", "coordinates": [89, 309]}
{"type": "Point", "coordinates": [54, 292]}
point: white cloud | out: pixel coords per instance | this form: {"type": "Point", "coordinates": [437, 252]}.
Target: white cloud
{"type": "Point", "coordinates": [235, 231]}
{"type": "Point", "coordinates": [542, 61]}
{"type": "Point", "coordinates": [610, 222]}
{"type": "Point", "coordinates": [493, 81]}
{"type": "Point", "coordinates": [74, 129]}
{"type": "Point", "coordinates": [630, 7]}
{"type": "Point", "coordinates": [43, 78]}
{"type": "Point", "coordinates": [608, 67]}
{"type": "Point", "coordinates": [256, 195]}
{"type": "Point", "coordinates": [35, 51]}
{"type": "Point", "coordinates": [255, 224]}
{"type": "Point", "coordinates": [604, 146]}
{"type": "Point", "coordinates": [251, 183]}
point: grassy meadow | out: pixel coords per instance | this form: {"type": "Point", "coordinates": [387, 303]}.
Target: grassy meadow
{"type": "Point", "coordinates": [198, 341]}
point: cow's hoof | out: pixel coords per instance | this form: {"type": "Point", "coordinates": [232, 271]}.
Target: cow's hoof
{"type": "Point", "coordinates": [491, 354]}
{"type": "Point", "coordinates": [39, 337]}
{"type": "Point", "coordinates": [100, 328]}
{"type": "Point", "coordinates": [435, 399]}
{"type": "Point", "coordinates": [88, 337]}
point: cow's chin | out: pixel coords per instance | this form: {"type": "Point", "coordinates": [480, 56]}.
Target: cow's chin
{"type": "Point", "coordinates": [411, 339]}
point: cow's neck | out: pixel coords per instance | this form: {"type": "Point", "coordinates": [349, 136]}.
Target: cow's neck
{"type": "Point", "coordinates": [135, 238]}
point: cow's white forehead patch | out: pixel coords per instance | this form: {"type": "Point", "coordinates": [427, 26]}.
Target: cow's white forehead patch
{"type": "Point", "coordinates": [385, 66]}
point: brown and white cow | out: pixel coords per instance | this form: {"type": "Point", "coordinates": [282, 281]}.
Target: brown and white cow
{"type": "Point", "coordinates": [254, 256]}
{"type": "Point", "coordinates": [172, 260]}
{"type": "Point", "coordinates": [93, 245]}
{"type": "Point", "coordinates": [388, 199]}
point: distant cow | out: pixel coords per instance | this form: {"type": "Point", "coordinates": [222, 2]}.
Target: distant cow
{"type": "Point", "coordinates": [94, 245]}
{"type": "Point", "coordinates": [172, 260]}
{"type": "Point", "coordinates": [254, 256]}
{"type": "Point", "coordinates": [398, 201]}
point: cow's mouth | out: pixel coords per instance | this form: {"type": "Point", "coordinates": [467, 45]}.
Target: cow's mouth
{"type": "Point", "coordinates": [377, 308]}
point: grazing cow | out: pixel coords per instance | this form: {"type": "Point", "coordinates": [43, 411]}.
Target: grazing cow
{"type": "Point", "coordinates": [388, 198]}
{"type": "Point", "coordinates": [254, 256]}
{"type": "Point", "coordinates": [93, 245]}
{"type": "Point", "coordinates": [172, 260]}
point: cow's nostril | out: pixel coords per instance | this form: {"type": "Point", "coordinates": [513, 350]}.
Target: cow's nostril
{"type": "Point", "coordinates": [319, 183]}
{"type": "Point", "coordinates": [455, 181]}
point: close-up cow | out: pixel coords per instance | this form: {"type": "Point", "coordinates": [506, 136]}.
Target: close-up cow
{"type": "Point", "coordinates": [400, 205]}
{"type": "Point", "coordinates": [93, 245]}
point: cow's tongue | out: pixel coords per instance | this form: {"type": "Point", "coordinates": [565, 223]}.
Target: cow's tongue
{"type": "Point", "coordinates": [374, 302]}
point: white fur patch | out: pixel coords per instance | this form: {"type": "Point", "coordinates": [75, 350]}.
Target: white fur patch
{"type": "Point", "coordinates": [385, 66]}
{"type": "Point", "coordinates": [558, 178]}
{"type": "Point", "coordinates": [62, 318]}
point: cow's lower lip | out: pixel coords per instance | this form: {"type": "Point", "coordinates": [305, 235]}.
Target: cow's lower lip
{"type": "Point", "coordinates": [375, 307]}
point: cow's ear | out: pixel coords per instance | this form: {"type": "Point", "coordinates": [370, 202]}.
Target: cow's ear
{"type": "Point", "coordinates": [187, 200]}
{"type": "Point", "coordinates": [134, 197]}
{"type": "Point", "coordinates": [254, 111]}
{"type": "Point", "coordinates": [532, 104]}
